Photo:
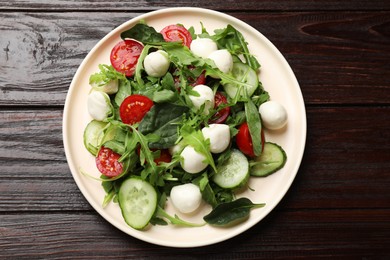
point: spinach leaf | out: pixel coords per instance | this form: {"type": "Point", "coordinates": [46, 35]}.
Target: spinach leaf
{"type": "Point", "coordinates": [226, 213]}
{"type": "Point", "coordinates": [254, 125]}
{"type": "Point", "coordinates": [124, 90]}
{"type": "Point", "coordinates": [143, 33]}
{"type": "Point", "coordinates": [164, 96]}
{"type": "Point", "coordinates": [162, 120]}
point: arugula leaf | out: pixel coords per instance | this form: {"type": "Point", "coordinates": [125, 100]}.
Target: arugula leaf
{"type": "Point", "coordinates": [175, 220]}
{"type": "Point", "coordinates": [143, 33]}
{"type": "Point", "coordinates": [207, 192]}
{"type": "Point", "coordinates": [231, 39]}
{"type": "Point", "coordinates": [227, 213]}
{"type": "Point", "coordinates": [181, 56]}
{"type": "Point", "coordinates": [254, 125]}
{"type": "Point", "coordinates": [196, 139]}
{"type": "Point", "coordinates": [104, 76]}
{"type": "Point", "coordinates": [162, 120]}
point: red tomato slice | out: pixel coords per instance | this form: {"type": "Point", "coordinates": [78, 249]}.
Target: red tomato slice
{"type": "Point", "coordinates": [220, 116]}
{"type": "Point", "coordinates": [107, 162]}
{"type": "Point", "coordinates": [134, 108]}
{"type": "Point", "coordinates": [124, 56]}
{"type": "Point", "coordinates": [244, 140]}
{"type": "Point", "coordinates": [177, 33]}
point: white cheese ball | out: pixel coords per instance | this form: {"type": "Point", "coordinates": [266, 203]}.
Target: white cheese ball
{"type": "Point", "coordinates": [219, 135]}
{"type": "Point", "coordinates": [175, 149]}
{"type": "Point", "coordinates": [110, 87]}
{"type": "Point", "coordinates": [99, 106]}
{"type": "Point", "coordinates": [206, 97]}
{"type": "Point", "coordinates": [273, 115]}
{"type": "Point", "coordinates": [186, 198]}
{"type": "Point", "coordinates": [223, 60]}
{"type": "Point", "coordinates": [193, 162]}
{"type": "Point", "coordinates": [203, 47]}
{"type": "Point", "coordinates": [156, 63]}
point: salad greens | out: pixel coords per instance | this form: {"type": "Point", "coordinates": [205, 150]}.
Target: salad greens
{"type": "Point", "coordinates": [173, 121]}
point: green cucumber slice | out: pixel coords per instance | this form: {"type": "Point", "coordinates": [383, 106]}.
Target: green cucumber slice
{"type": "Point", "coordinates": [138, 202]}
{"type": "Point", "coordinates": [245, 74]}
{"type": "Point", "coordinates": [272, 159]}
{"type": "Point", "coordinates": [234, 172]}
{"type": "Point", "coordinates": [93, 135]}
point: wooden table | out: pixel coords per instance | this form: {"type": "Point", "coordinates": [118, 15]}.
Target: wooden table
{"type": "Point", "coordinates": [339, 204]}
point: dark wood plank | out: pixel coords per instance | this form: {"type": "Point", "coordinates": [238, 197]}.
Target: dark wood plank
{"type": "Point", "coordinates": [339, 58]}
{"type": "Point", "coordinates": [250, 5]}
{"type": "Point", "coordinates": [294, 234]}
{"type": "Point", "coordinates": [346, 162]}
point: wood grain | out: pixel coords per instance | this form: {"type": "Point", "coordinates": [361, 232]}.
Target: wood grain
{"type": "Point", "coordinates": [330, 52]}
{"type": "Point", "coordinates": [329, 233]}
{"type": "Point", "coordinates": [249, 5]}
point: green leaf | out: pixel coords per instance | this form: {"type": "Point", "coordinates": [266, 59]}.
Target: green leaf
{"type": "Point", "coordinates": [163, 120]}
{"type": "Point", "coordinates": [124, 90]}
{"type": "Point", "coordinates": [143, 33]}
{"type": "Point", "coordinates": [196, 139]}
{"type": "Point", "coordinates": [164, 96]}
{"type": "Point", "coordinates": [227, 213]}
{"type": "Point", "coordinates": [181, 56]}
{"type": "Point", "coordinates": [104, 76]}
{"type": "Point", "coordinates": [254, 125]}
{"type": "Point", "coordinates": [175, 220]}
{"type": "Point", "coordinates": [231, 39]}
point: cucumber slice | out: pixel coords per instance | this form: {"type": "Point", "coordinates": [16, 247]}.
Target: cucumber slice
{"type": "Point", "coordinates": [271, 159]}
{"type": "Point", "coordinates": [138, 202]}
{"type": "Point", "coordinates": [93, 134]}
{"type": "Point", "coordinates": [245, 74]}
{"type": "Point", "coordinates": [234, 172]}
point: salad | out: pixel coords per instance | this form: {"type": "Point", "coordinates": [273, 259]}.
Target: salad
{"type": "Point", "coordinates": [181, 115]}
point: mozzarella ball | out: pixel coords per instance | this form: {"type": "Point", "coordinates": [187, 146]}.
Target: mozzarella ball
{"type": "Point", "coordinates": [175, 149]}
{"type": "Point", "coordinates": [193, 162]}
{"type": "Point", "coordinates": [186, 198]}
{"type": "Point", "coordinates": [219, 135]}
{"type": "Point", "coordinates": [223, 60]}
{"type": "Point", "coordinates": [206, 97]}
{"type": "Point", "coordinates": [110, 87]}
{"type": "Point", "coordinates": [157, 63]}
{"type": "Point", "coordinates": [99, 106]}
{"type": "Point", "coordinates": [203, 47]}
{"type": "Point", "coordinates": [273, 115]}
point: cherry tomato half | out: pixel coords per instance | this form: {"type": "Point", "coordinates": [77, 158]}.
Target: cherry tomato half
{"type": "Point", "coordinates": [244, 140]}
{"type": "Point", "coordinates": [165, 156]}
{"type": "Point", "coordinates": [220, 116]}
{"type": "Point", "coordinates": [124, 56]}
{"type": "Point", "coordinates": [133, 108]}
{"type": "Point", "coordinates": [177, 33]}
{"type": "Point", "coordinates": [107, 162]}
{"type": "Point", "coordinates": [201, 79]}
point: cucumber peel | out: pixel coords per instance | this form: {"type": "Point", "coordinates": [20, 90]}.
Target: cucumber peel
{"type": "Point", "coordinates": [272, 159]}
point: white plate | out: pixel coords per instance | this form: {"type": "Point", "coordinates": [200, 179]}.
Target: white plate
{"type": "Point", "coordinates": [277, 78]}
